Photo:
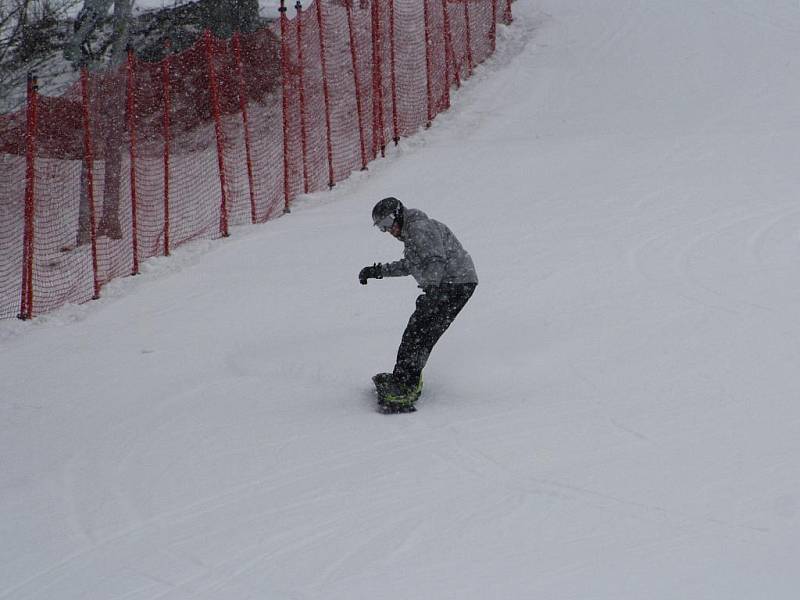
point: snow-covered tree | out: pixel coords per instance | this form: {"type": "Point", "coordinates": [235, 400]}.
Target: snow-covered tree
{"type": "Point", "coordinates": [100, 25]}
{"type": "Point", "coordinates": [31, 32]}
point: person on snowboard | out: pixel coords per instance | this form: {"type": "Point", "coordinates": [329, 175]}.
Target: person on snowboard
{"type": "Point", "coordinates": [445, 273]}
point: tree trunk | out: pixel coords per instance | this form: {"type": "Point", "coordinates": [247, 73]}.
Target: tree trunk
{"type": "Point", "coordinates": [112, 102]}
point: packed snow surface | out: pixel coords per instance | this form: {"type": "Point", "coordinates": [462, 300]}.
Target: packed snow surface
{"type": "Point", "coordinates": [614, 416]}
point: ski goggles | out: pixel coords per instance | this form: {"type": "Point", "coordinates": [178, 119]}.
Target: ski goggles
{"type": "Point", "coordinates": [385, 224]}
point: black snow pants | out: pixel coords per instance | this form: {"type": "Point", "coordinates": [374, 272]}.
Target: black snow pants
{"type": "Point", "coordinates": [435, 310]}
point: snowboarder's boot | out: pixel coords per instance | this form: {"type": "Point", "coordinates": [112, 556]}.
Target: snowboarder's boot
{"type": "Point", "coordinates": [394, 397]}
{"type": "Point", "coordinates": [381, 379]}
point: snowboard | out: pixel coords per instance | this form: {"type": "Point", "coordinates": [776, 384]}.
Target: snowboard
{"type": "Point", "coordinates": [386, 407]}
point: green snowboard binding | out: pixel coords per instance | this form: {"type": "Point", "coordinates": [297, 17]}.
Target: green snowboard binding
{"type": "Point", "coordinates": [393, 398]}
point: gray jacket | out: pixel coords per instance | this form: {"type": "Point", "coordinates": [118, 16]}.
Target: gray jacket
{"type": "Point", "coordinates": [432, 254]}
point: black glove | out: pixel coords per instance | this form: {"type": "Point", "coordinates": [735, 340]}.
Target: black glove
{"type": "Point", "coordinates": [373, 272]}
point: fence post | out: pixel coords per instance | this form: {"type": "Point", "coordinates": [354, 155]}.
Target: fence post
{"type": "Point", "coordinates": [449, 51]}
{"type": "Point", "coordinates": [167, 134]}
{"type": "Point", "coordinates": [395, 123]}
{"type": "Point", "coordinates": [446, 45]}
{"type": "Point", "coordinates": [131, 110]}
{"type": "Point", "coordinates": [428, 66]}
{"type": "Point", "coordinates": [493, 27]}
{"type": "Point", "coordinates": [215, 111]}
{"type": "Point", "coordinates": [508, 18]}
{"type": "Point", "coordinates": [302, 91]}
{"type": "Point", "coordinates": [285, 103]}
{"type": "Point", "coordinates": [237, 50]}
{"type": "Point", "coordinates": [468, 41]}
{"type": "Point", "coordinates": [377, 83]}
{"type": "Point", "coordinates": [26, 300]}
{"type": "Point", "coordinates": [357, 84]}
{"type": "Point", "coordinates": [325, 94]}
{"type": "Point", "coordinates": [88, 152]}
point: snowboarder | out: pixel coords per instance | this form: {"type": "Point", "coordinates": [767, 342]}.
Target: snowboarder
{"type": "Point", "coordinates": [445, 273]}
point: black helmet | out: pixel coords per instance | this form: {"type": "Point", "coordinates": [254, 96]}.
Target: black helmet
{"type": "Point", "coordinates": [387, 212]}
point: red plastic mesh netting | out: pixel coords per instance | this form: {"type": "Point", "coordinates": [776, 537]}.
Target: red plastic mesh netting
{"type": "Point", "coordinates": [129, 163]}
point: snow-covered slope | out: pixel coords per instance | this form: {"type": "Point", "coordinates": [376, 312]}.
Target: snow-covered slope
{"type": "Point", "coordinates": [615, 415]}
